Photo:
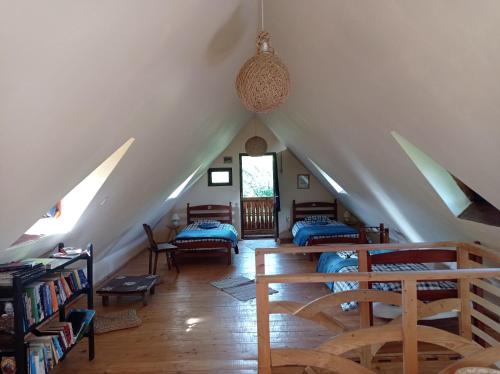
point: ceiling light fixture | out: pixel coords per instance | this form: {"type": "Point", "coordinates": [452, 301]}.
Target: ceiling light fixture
{"type": "Point", "coordinates": [263, 82]}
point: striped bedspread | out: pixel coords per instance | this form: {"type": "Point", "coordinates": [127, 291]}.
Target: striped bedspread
{"type": "Point", "coordinates": [333, 263]}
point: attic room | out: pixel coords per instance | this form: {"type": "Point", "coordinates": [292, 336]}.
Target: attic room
{"type": "Point", "coordinates": [250, 186]}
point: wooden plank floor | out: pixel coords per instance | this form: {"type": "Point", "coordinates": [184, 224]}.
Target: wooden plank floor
{"type": "Point", "coordinates": [191, 327]}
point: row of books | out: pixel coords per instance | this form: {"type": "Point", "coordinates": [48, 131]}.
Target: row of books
{"type": "Point", "coordinates": [51, 341]}
{"type": "Point", "coordinates": [42, 299]}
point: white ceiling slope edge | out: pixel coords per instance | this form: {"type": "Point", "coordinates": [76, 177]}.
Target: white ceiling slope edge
{"type": "Point", "coordinates": [80, 78]}
{"type": "Point", "coordinates": [425, 69]}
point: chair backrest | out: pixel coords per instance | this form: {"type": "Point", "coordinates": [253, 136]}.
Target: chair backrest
{"type": "Point", "coordinates": [151, 239]}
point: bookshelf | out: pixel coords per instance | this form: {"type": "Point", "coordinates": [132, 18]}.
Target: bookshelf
{"type": "Point", "coordinates": [19, 283]}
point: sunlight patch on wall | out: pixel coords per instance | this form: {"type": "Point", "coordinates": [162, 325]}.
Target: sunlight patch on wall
{"type": "Point", "coordinates": [329, 179]}
{"type": "Point", "coordinates": [439, 178]}
{"type": "Point", "coordinates": [182, 186]}
{"type": "Point", "coordinates": [78, 199]}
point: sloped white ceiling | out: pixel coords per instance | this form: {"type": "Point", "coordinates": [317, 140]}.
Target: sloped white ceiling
{"type": "Point", "coordinates": [426, 69]}
{"type": "Point", "coordinates": [77, 79]}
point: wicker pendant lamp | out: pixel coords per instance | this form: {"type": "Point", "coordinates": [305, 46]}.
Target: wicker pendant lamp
{"type": "Point", "coordinates": [256, 145]}
{"type": "Point", "coordinates": [263, 82]}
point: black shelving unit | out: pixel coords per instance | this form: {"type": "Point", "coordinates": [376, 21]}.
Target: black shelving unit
{"type": "Point", "coordinates": [19, 283]}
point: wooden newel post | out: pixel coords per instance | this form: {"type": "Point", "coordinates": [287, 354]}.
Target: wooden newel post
{"type": "Point", "coordinates": [263, 334]}
{"type": "Point", "coordinates": [409, 326]}
{"type": "Point", "coordinates": [262, 299]}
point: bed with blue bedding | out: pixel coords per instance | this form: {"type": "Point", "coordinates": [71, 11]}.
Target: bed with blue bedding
{"type": "Point", "coordinates": [209, 229]}
{"type": "Point", "coordinates": [346, 261]}
{"type": "Point", "coordinates": [306, 231]}
{"type": "Point", "coordinates": [316, 223]}
{"type": "Point", "coordinates": [213, 231]}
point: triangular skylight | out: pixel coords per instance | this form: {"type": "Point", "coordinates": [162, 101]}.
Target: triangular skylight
{"type": "Point", "coordinates": [71, 207]}
{"type": "Point", "coordinates": [462, 201]}
{"type": "Point", "coordinates": [329, 179]}
{"type": "Point", "coordinates": [182, 186]}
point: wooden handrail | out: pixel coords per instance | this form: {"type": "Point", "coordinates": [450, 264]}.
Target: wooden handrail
{"type": "Point", "coordinates": [357, 247]}
{"type": "Point", "coordinates": [471, 302]}
{"type": "Point", "coordinates": [382, 276]}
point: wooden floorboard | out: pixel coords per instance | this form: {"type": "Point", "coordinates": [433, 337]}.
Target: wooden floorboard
{"type": "Point", "coordinates": [191, 327]}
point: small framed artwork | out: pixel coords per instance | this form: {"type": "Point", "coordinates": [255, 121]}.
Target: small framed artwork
{"type": "Point", "coordinates": [303, 181]}
{"type": "Point", "coordinates": [220, 177]}
{"type": "Point", "coordinates": [228, 159]}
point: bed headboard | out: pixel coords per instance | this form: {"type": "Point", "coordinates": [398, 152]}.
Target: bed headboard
{"type": "Point", "coordinates": [314, 208]}
{"type": "Point", "coordinates": [222, 213]}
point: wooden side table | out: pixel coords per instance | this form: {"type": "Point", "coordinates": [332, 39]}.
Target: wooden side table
{"type": "Point", "coordinates": [128, 285]}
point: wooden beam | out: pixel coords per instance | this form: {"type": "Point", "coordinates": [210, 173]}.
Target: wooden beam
{"type": "Point", "coordinates": [409, 325]}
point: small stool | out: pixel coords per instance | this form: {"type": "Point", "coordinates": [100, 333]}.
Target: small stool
{"type": "Point", "coordinates": [123, 285]}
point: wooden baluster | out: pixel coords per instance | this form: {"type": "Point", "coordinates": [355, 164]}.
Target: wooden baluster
{"type": "Point", "coordinates": [465, 320]}
{"type": "Point", "coordinates": [409, 326]}
{"type": "Point", "coordinates": [364, 309]}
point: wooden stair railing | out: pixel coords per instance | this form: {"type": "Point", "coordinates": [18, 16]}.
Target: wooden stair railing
{"type": "Point", "coordinates": [477, 344]}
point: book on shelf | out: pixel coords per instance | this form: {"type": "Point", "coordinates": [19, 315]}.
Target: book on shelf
{"type": "Point", "coordinates": [80, 319]}
{"type": "Point", "coordinates": [42, 299]}
{"type": "Point", "coordinates": [50, 342]}
{"type": "Point", "coordinates": [24, 273]}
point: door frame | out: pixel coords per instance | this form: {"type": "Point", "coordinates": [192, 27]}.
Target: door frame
{"type": "Point", "coordinates": [275, 193]}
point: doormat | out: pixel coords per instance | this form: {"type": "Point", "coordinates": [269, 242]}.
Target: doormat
{"type": "Point", "coordinates": [123, 319]}
{"type": "Point", "coordinates": [241, 288]}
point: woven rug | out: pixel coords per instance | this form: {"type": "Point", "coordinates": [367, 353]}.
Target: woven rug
{"type": "Point", "coordinates": [113, 321]}
{"type": "Point", "coordinates": [241, 288]}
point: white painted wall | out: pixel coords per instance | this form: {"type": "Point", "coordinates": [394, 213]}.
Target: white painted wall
{"type": "Point", "coordinates": [201, 193]}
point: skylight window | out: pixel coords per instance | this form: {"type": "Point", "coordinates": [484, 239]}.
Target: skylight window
{"type": "Point", "coordinates": [72, 206]}
{"type": "Point", "coordinates": [329, 179]}
{"type": "Point", "coordinates": [183, 185]}
{"type": "Point", "coordinates": [462, 201]}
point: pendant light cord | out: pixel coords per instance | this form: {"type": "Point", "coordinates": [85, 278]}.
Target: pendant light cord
{"type": "Point", "coordinates": [262, 15]}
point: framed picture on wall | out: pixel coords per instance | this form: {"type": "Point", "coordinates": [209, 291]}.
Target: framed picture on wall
{"type": "Point", "coordinates": [303, 181]}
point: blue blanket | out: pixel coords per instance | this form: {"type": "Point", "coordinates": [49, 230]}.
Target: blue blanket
{"type": "Point", "coordinates": [220, 233]}
{"type": "Point", "coordinates": [331, 262]}
{"type": "Point", "coordinates": [307, 231]}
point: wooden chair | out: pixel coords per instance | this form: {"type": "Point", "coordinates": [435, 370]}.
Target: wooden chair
{"type": "Point", "coordinates": [155, 247]}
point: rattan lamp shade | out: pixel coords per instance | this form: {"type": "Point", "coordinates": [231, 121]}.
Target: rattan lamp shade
{"type": "Point", "coordinates": [256, 146]}
{"type": "Point", "coordinates": [263, 82]}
